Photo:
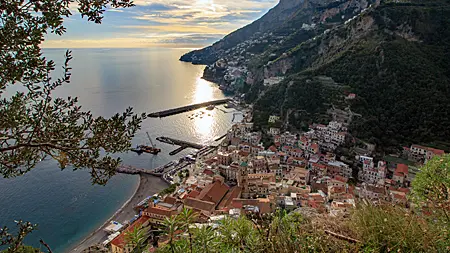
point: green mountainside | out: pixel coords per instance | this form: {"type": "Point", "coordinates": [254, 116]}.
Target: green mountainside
{"type": "Point", "coordinates": [395, 58]}
{"type": "Point", "coordinates": [394, 55]}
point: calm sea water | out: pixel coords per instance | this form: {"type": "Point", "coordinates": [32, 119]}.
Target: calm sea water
{"type": "Point", "coordinates": [64, 203]}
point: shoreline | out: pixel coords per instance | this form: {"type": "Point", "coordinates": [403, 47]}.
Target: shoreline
{"type": "Point", "coordinates": [147, 186]}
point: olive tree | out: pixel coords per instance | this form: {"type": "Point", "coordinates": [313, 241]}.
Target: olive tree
{"type": "Point", "coordinates": [34, 124]}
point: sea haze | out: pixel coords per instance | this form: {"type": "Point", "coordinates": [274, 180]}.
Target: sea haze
{"type": "Point", "coordinates": [65, 204]}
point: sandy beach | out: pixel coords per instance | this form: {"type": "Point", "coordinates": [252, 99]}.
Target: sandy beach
{"type": "Point", "coordinates": [148, 185]}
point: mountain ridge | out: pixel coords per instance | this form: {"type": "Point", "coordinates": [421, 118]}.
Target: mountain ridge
{"type": "Point", "coordinates": [274, 17]}
{"type": "Point", "coordinates": [391, 54]}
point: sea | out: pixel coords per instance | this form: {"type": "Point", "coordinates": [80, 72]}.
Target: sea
{"type": "Point", "coordinates": [64, 204]}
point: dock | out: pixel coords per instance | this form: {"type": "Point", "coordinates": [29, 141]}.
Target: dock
{"type": "Point", "coordinates": [221, 137]}
{"type": "Point", "coordinates": [187, 108]}
{"type": "Point", "coordinates": [158, 172]}
{"type": "Point", "coordinates": [177, 142]}
{"type": "Point", "coordinates": [183, 144]}
{"type": "Point", "coordinates": [134, 171]}
{"type": "Point", "coordinates": [178, 150]}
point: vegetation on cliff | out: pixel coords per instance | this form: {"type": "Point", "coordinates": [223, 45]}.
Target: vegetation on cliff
{"type": "Point", "coordinates": [395, 57]}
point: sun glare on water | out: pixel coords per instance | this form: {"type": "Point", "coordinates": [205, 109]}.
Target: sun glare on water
{"type": "Point", "coordinates": [204, 91]}
{"type": "Point", "coordinates": [204, 122]}
{"type": "Point", "coordinates": [204, 126]}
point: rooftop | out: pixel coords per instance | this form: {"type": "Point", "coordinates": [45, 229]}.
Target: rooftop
{"type": "Point", "coordinates": [120, 240]}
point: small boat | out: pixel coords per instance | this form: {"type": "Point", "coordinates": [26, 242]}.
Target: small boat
{"type": "Point", "coordinates": [210, 107]}
{"type": "Point", "coordinates": [137, 150]}
{"type": "Point", "coordinates": [150, 150]}
{"type": "Point", "coordinates": [147, 149]}
{"type": "Point", "coordinates": [209, 114]}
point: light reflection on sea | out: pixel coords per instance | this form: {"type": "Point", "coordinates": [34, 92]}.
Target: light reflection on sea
{"type": "Point", "coordinates": [65, 205]}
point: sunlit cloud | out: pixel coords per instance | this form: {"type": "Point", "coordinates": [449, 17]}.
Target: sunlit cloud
{"type": "Point", "coordinates": [174, 23]}
{"type": "Point", "coordinates": [134, 42]}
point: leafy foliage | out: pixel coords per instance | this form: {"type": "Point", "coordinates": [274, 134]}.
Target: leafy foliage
{"type": "Point", "coordinates": [36, 125]}
{"type": "Point", "coordinates": [387, 228]}
{"type": "Point", "coordinates": [368, 229]}
{"type": "Point", "coordinates": [431, 187]}
{"type": "Point", "coordinates": [15, 242]}
{"type": "Point", "coordinates": [168, 190]}
{"type": "Point", "coordinates": [137, 238]}
{"type": "Point", "coordinates": [25, 249]}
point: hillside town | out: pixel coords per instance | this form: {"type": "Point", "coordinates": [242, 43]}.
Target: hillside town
{"type": "Point", "coordinates": [300, 172]}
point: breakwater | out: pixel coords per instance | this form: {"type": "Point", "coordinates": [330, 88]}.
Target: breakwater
{"type": "Point", "coordinates": [187, 108]}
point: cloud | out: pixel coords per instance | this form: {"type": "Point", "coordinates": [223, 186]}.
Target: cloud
{"type": "Point", "coordinates": [169, 22]}
{"type": "Point", "coordinates": [119, 43]}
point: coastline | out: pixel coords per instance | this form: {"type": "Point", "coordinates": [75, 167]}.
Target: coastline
{"type": "Point", "coordinates": [147, 186]}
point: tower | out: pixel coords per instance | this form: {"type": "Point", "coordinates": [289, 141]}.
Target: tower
{"type": "Point", "coordinates": [243, 179]}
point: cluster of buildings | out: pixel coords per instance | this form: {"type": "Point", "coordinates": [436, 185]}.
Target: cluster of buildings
{"type": "Point", "coordinates": [298, 172]}
{"type": "Point", "coordinates": [231, 70]}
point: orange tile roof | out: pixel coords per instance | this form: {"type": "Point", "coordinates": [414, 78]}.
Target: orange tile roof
{"type": "Point", "coordinates": [214, 192]}
{"type": "Point", "coordinates": [119, 241]}
{"type": "Point", "coordinates": [337, 189]}
{"type": "Point", "coordinates": [437, 151]}
{"type": "Point", "coordinates": [264, 207]}
{"type": "Point", "coordinates": [399, 196]}
{"type": "Point", "coordinates": [318, 165]}
{"type": "Point", "coordinates": [341, 179]}
{"type": "Point", "coordinates": [200, 204]}
{"type": "Point", "coordinates": [405, 190]}
{"type": "Point", "coordinates": [233, 193]}
{"type": "Point", "coordinates": [375, 189]}
{"type": "Point", "coordinates": [170, 200]}
{"type": "Point", "coordinates": [243, 153]}
{"type": "Point", "coordinates": [208, 172]}
{"type": "Point", "coordinates": [434, 150]}
{"type": "Point", "coordinates": [402, 168]}
{"type": "Point", "coordinates": [193, 194]}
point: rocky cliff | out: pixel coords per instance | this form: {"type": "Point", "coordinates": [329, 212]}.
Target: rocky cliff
{"type": "Point", "coordinates": [394, 55]}
{"type": "Point", "coordinates": [273, 19]}
{"type": "Point", "coordinates": [234, 62]}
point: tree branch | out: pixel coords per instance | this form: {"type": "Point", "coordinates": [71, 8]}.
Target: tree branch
{"type": "Point", "coordinates": [38, 145]}
{"type": "Point", "coordinates": [45, 245]}
{"type": "Point", "coordinates": [342, 237]}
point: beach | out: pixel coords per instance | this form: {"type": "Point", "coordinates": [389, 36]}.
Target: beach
{"type": "Point", "coordinates": [147, 186]}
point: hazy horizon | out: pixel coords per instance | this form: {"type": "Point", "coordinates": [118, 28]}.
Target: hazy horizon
{"type": "Point", "coordinates": [160, 23]}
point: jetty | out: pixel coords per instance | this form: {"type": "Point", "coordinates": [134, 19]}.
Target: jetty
{"type": "Point", "coordinates": [187, 108]}
{"type": "Point", "coordinates": [134, 171]}
{"type": "Point", "coordinates": [221, 137]}
{"type": "Point", "coordinates": [183, 144]}
{"type": "Point", "coordinates": [177, 142]}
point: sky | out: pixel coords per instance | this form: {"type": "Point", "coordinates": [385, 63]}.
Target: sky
{"type": "Point", "coordinates": [161, 23]}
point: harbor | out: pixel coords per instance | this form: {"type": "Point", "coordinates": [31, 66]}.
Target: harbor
{"type": "Point", "coordinates": [183, 144]}
{"type": "Point", "coordinates": [167, 174]}
{"type": "Point", "coordinates": [187, 108]}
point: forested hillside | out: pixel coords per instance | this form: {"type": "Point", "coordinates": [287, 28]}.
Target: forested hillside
{"type": "Point", "coordinates": [395, 57]}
